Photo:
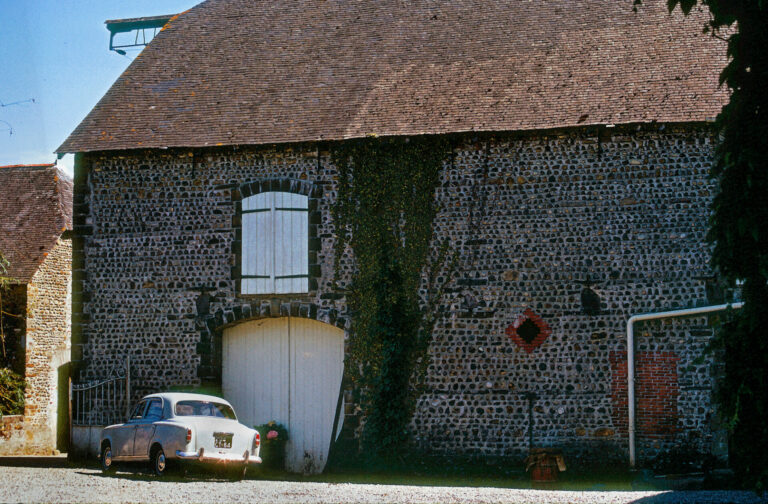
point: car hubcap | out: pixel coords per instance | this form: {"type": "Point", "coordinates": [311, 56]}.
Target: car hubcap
{"type": "Point", "coordinates": [107, 458]}
{"type": "Point", "coordinates": [161, 462]}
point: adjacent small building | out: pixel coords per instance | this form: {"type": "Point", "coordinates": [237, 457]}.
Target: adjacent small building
{"type": "Point", "coordinates": [35, 225]}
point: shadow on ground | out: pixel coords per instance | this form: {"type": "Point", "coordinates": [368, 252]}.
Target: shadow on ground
{"type": "Point", "coordinates": [34, 461]}
{"type": "Point", "coordinates": [676, 488]}
{"type": "Point", "coordinates": [704, 497]}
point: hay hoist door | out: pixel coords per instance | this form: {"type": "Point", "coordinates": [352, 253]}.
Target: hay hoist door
{"type": "Point", "coordinates": [288, 370]}
{"type": "Point", "coordinates": [134, 33]}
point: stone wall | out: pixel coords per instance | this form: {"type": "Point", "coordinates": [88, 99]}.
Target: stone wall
{"type": "Point", "coordinates": [48, 352]}
{"type": "Point", "coordinates": [12, 440]}
{"type": "Point", "coordinates": [561, 237]}
{"type": "Point", "coordinates": [583, 232]}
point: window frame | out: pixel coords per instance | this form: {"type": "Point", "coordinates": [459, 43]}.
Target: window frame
{"type": "Point", "coordinates": [285, 185]}
{"type": "Point", "coordinates": [271, 207]}
{"type": "Point", "coordinates": [149, 407]}
{"type": "Point", "coordinates": [140, 415]}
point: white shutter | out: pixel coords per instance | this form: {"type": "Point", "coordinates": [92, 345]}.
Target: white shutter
{"type": "Point", "coordinates": [275, 253]}
{"type": "Point", "coordinates": [291, 243]}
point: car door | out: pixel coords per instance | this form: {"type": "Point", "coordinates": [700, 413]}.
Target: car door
{"type": "Point", "coordinates": [123, 436]}
{"type": "Point", "coordinates": [145, 427]}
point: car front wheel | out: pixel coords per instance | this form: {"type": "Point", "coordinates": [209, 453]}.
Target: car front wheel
{"type": "Point", "coordinates": [158, 461]}
{"type": "Point", "coordinates": [107, 464]}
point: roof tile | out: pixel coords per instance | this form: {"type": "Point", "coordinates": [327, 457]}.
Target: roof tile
{"type": "Point", "coordinates": [36, 208]}
{"type": "Point", "coordinates": [253, 72]}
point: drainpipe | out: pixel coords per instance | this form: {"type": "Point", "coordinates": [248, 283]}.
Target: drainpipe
{"type": "Point", "coordinates": [531, 397]}
{"type": "Point", "coordinates": [631, 357]}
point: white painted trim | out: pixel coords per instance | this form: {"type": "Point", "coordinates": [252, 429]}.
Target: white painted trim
{"type": "Point", "coordinates": [631, 357]}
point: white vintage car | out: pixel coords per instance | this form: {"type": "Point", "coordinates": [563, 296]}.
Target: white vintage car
{"type": "Point", "coordinates": [170, 427]}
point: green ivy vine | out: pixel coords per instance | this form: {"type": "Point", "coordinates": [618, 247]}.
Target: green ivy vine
{"type": "Point", "coordinates": [384, 216]}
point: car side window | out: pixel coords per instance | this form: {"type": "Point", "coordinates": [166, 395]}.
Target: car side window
{"type": "Point", "coordinates": [155, 409]}
{"type": "Point", "coordinates": [138, 410]}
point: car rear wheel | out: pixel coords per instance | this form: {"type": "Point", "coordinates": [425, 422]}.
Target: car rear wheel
{"type": "Point", "coordinates": [107, 464]}
{"type": "Point", "coordinates": [158, 461]}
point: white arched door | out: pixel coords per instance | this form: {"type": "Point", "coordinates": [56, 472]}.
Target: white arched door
{"type": "Point", "coordinates": [288, 370]}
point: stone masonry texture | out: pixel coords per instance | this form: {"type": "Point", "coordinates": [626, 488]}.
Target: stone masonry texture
{"type": "Point", "coordinates": [582, 227]}
{"type": "Point", "coordinates": [47, 354]}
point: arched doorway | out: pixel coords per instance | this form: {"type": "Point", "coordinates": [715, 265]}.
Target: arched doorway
{"type": "Point", "coordinates": [289, 370]}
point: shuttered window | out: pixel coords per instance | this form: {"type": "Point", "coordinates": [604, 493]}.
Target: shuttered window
{"type": "Point", "coordinates": [275, 253]}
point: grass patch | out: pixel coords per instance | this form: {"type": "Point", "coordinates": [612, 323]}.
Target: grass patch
{"type": "Point", "coordinates": [518, 480]}
{"type": "Point", "coordinates": [454, 472]}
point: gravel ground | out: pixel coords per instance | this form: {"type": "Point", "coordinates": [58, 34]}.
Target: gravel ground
{"type": "Point", "coordinates": [28, 484]}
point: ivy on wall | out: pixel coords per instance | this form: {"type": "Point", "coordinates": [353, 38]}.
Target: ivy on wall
{"type": "Point", "coordinates": [384, 215]}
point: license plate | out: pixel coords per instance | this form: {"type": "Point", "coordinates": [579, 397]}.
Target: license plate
{"type": "Point", "coordinates": [222, 440]}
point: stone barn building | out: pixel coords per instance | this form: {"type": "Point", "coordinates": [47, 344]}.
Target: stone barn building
{"type": "Point", "coordinates": [576, 194]}
{"type": "Point", "coordinates": [35, 228]}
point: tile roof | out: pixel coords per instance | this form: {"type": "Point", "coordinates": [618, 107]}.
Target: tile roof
{"type": "Point", "coordinates": [231, 72]}
{"type": "Point", "coordinates": [35, 209]}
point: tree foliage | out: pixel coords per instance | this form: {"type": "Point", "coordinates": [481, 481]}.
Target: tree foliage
{"type": "Point", "coordinates": [384, 215]}
{"type": "Point", "coordinates": [5, 280]}
{"type": "Point", "coordinates": [11, 393]}
{"type": "Point", "coordinates": [11, 384]}
{"type": "Point", "coordinates": [739, 226]}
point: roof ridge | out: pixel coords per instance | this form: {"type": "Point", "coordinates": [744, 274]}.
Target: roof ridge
{"type": "Point", "coordinates": [28, 166]}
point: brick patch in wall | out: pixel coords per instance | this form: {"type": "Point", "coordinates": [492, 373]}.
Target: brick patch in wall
{"type": "Point", "coordinates": [528, 331]}
{"type": "Point", "coordinates": [656, 393]}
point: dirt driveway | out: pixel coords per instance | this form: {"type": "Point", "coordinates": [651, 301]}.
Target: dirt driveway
{"type": "Point", "coordinates": [33, 484]}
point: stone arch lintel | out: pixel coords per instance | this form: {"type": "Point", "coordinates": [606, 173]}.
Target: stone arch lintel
{"type": "Point", "coordinates": [211, 327]}
{"type": "Point", "coordinates": [282, 184]}
{"type": "Point", "coordinates": [274, 308]}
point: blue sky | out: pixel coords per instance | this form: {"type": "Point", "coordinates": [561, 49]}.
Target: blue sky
{"type": "Point", "coordinates": [57, 53]}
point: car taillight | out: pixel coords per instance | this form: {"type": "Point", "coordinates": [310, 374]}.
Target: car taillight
{"type": "Point", "coordinates": [256, 440]}
{"type": "Point", "coordinates": [189, 435]}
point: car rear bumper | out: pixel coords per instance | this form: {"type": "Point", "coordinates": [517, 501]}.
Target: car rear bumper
{"type": "Point", "coordinates": [217, 458]}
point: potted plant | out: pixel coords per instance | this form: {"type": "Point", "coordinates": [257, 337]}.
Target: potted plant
{"type": "Point", "coordinates": [273, 438]}
{"type": "Point", "coordinates": [544, 464]}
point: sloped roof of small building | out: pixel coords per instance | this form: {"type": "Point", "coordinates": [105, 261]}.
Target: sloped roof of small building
{"type": "Point", "coordinates": [231, 72]}
{"type": "Point", "coordinates": [35, 209]}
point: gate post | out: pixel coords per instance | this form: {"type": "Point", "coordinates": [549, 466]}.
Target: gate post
{"type": "Point", "coordinates": [69, 414]}
{"type": "Point", "coordinates": [128, 387]}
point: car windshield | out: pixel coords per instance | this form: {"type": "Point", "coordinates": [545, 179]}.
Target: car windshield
{"type": "Point", "coordinates": [204, 408]}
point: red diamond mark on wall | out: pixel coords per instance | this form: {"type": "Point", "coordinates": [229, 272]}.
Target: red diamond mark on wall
{"type": "Point", "coordinates": [528, 331]}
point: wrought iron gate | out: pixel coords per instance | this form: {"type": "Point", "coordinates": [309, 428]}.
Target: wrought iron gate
{"type": "Point", "coordinates": [103, 401]}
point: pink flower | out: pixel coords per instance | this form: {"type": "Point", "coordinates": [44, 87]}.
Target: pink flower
{"type": "Point", "coordinates": [272, 434]}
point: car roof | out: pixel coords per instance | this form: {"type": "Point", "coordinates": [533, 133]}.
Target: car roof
{"type": "Point", "coordinates": [187, 396]}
